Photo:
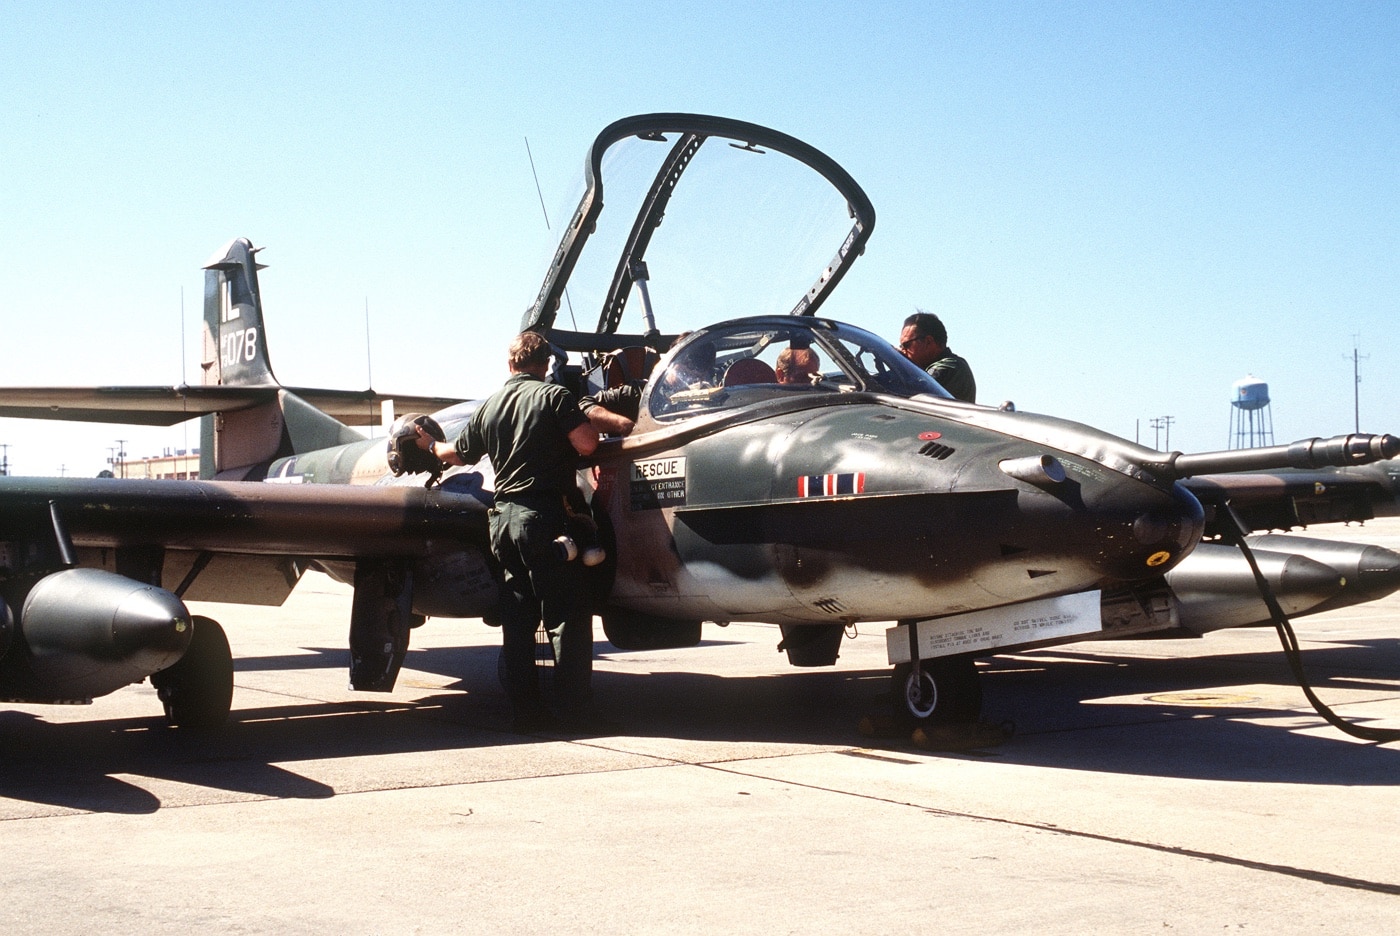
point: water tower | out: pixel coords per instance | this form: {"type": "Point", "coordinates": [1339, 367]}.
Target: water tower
{"type": "Point", "coordinates": [1251, 421]}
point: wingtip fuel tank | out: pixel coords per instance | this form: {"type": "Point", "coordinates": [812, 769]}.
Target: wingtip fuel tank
{"type": "Point", "coordinates": [88, 632]}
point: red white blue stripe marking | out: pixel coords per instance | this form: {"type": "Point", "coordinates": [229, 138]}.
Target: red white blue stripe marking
{"type": "Point", "coordinates": [831, 485]}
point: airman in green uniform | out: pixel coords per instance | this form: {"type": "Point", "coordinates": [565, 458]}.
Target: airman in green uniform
{"type": "Point", "coordinates": [533, 432]}
{"type": "Point", "coordinates": [924, 341]}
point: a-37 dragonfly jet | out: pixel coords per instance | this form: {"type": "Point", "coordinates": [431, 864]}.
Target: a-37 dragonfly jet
{"type": "Point", "coordinates": [861, 493]}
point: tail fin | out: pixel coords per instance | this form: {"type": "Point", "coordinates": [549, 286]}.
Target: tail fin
{"type": "Point", "coordinates": [235, 442]}
{"type": "Point", "coordinates": [249, 417]}
{"type": "Point", "coordinates": [235, 345]}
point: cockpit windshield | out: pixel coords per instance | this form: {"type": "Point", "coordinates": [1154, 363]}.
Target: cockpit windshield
{"type": "Point", "coordinates": [749, 360]}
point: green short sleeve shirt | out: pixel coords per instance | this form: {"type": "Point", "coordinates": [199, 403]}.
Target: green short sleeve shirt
{"type": "Point", "coordinates": [524, 429]}
{"type": "Point", "coordinates": [955, 375]}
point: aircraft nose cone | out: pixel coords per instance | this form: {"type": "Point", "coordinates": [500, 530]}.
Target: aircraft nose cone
{"type": "Point", "coordinates": [1155, 527]}
{"type": "Point", "coordinates": [1164, 533]}
{"type": "Point", "coordinates": [152, 627]}
{"type": "Point", "coordinates": [1377, 572]}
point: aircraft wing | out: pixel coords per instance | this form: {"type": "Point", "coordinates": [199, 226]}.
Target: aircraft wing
{"type": "Point", "coordinates": [305, 520]}
{"type": "Point", "coordinates": [1288, 498]}
{"type": "Point", "coordinates": [170, 405]}
{"type": "Point", "coordinates": [82, 616]}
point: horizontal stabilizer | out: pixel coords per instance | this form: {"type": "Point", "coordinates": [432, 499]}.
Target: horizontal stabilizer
{"type": "Point", "coordinates": [168, 406]}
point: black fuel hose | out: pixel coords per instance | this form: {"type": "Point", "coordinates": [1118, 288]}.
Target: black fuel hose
{"type": "Point", "coordinates": [1235, 533]}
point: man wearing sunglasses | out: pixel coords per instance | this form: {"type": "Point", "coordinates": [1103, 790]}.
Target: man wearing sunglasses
{"type": "Point", "coordinates": [924, 341]}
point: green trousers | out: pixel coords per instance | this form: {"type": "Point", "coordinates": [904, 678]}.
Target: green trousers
{"type": "Point", "coordinates": [540, 587]}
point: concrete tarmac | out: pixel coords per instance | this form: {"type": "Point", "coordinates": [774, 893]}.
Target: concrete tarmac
{"type": "Point", "coordinates": [1150, 787]}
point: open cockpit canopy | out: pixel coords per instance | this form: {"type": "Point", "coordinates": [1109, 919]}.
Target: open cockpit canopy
{"type": "Point", "coordinates": [706, 219]}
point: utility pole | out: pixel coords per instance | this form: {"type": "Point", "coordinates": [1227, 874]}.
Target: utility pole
{"type": "Point", "coordinates": [1159, 423]}
{"type": "Point", "coordinates": [1356, 358]}
{"type": "Point", "coordinates": [121, 457]}
{"type": "Point", "coordinates": [4, 459]}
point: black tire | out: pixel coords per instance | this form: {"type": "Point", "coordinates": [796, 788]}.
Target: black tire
{"type": "Point", "coordinates": [946, 692]}
{"type": "Point", "coordinates": [630, 630]}
{"type": "Point", "coordinates": [197, 691]}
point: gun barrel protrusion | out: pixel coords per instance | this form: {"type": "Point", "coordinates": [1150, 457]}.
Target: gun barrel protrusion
{"type": "Point", "coordinates": [1336, 452]}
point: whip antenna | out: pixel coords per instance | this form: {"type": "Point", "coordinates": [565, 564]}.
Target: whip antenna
{"type": "Point", "coordinates": [369, 350]}
{"type": "Point", "coordinates": [538, 190]}
{"type": "Point", "coordinates": [545, 212]}
{"type": "Point", "coordinates": [369, 372]}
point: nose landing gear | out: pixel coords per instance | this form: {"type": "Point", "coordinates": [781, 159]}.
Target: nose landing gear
{"type": "Point", "coordinates": [940, 691]}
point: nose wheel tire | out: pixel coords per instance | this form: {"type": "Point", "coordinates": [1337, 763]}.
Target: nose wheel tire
{"type": "Point", "coordinates": [920, 696]}
{"type": "Point", "coordinates": [943, 691]}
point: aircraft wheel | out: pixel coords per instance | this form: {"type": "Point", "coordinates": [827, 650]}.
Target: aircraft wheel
{"type": "Point", "coordinates": [197, 691]}
{"type": "Point", "coordinates": [631, 630]}
{"type": "Point", "coordinates": [945, 691]}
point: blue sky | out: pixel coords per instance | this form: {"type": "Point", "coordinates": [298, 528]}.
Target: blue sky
{"type": "Point", "coordinates": [1118, 208]}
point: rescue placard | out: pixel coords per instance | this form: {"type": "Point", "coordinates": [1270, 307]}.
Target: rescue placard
{"type": "Point", "coordinates": [658, 482]}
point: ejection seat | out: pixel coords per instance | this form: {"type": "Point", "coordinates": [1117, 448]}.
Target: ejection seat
{"type": "Point", "coordinates": [749, 371]}
{"type": "Point", "coordinates": [632, 365]}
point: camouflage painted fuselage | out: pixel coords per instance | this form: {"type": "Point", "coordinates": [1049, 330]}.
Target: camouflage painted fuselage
{"type": "Point", "coordinates": [850, 507]}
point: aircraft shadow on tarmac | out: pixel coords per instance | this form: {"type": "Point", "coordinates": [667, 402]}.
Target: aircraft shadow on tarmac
{"type": "Point", "coordinates": [1050, 696]}
{"type": "Point", "coordinates": [72, 764]}
{"type": "Point", "coordinates": [1161, 730]}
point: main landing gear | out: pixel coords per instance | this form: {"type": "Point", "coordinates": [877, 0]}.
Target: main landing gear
{"type": "Point", "coordinates": [197, 691]}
